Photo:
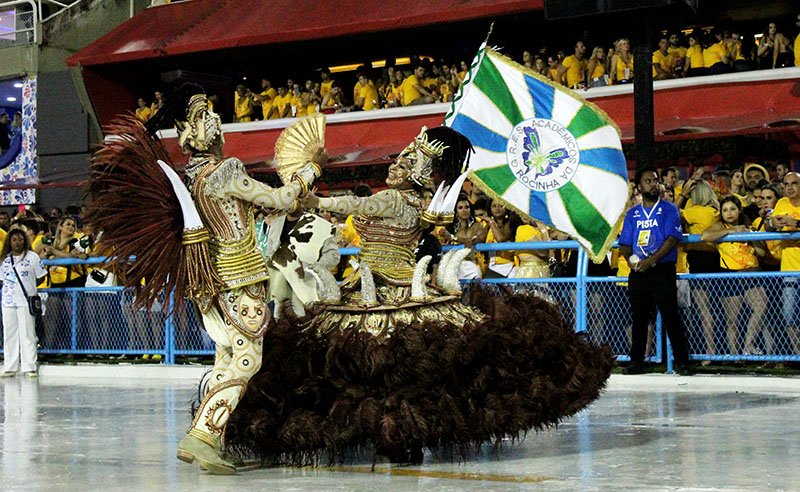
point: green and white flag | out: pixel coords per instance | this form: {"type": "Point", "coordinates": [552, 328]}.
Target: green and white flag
{"type": "Point", "coordinates": [542, 150]}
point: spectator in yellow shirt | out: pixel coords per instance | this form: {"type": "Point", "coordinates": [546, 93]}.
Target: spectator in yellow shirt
{"type": "Point", "coordinates": [307, 105]}
{"type": "Point", "coordinates": [143, 111]}
{"type": "Point", "coordinates": [281, 105]}
{"type": "Point", "coordinates": [553, 67]}
{"type": "Point", "coordinates": [333, 100]}
{"type": "Point", "coordinates": [243, 104]}
{"type": "Point", "coordinates": [413, 91]}
{"type": "Point", "coordinates": [621, 70]}
{"type": "Point", "coordinates": [327, 82]}
{"type": "Point", "coordinates": [367, 99]}
{"type": "Point", "coordinates": [715, 56]}
{"type": "Point", "coordinates": [573, 68]}
{"type": "Point", "coordinates": [786, 217]}
{"type": "Point", "coordinates": [266, 97]}
{"type": "Point", "coordinates": [596, 68]}
{"type": "Point", "coordinates": [695, 63]}
{"type": "Point", "coordinates": [678, 52]}
{"type": "Point", "coordinates": [797, 44]}
{"type": "Point", "coordinates": [663, 61]}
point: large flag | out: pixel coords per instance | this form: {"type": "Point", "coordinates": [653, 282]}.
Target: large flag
{"type": "Point", "coordinates": [542, 150]}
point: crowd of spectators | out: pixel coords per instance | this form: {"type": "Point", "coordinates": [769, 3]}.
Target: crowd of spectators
{"type": "Point", "coordinates": [679, 54]}
{"type": "Point", "coordinates": [60, 234]}
{"type": "Point", "coordinates": [711, 203]}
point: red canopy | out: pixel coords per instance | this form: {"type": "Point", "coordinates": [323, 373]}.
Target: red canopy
{"type": "Point", "coordinates": [205, 25]}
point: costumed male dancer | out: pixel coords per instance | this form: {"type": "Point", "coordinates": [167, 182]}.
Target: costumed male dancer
{"type": "Point", "coordinates": [221, 269]}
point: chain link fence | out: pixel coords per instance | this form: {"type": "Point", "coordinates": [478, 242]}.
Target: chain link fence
{"type": "Point", "coordinates": [17, 25]}
{"type": "Point", "coordinates": [735, 316]}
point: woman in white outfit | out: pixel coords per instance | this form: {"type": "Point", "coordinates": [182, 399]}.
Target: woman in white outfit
{"type": "Point", "coordinates": [19, 325]}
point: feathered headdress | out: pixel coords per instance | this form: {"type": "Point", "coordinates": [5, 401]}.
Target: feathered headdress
{"type": "Point", "coordinates": [449, 166]}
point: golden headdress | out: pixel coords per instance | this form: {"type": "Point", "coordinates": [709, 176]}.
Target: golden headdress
{"type": "Point", "coordinates": [202, 125]}
{"type": "Point", "coordinates": [421, 154]}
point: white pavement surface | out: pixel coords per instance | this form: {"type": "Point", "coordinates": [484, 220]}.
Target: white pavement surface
{"type": "Point", "coordinates": [117, 428]}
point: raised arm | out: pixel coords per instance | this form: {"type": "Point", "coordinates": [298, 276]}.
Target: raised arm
{"type": "Point", "coordinates": [387, 203]}
{"type": "Point", "coordinates": [231, 180]}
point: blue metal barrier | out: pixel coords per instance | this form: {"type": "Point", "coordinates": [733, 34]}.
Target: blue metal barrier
{"type": "Point", "coordinates": [102, 320]}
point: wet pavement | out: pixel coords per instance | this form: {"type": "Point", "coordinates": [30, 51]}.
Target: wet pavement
{"type": "Point", "coordinates": [649, 433]}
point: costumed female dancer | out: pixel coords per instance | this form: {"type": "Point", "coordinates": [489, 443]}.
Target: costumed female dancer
{"type": "Point", "coordinates": [198, 243]}
{"type": "Point", "coordinates": [400, 364]}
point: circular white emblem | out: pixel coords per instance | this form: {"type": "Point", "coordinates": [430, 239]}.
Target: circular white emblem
{"type": "Point", "coordinates": [542, 154]}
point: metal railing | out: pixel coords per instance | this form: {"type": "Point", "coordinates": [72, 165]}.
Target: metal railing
{"type": "Point", "coordinates": [18, 27]}
{"type": "Point", "coordinates": [102, 320]}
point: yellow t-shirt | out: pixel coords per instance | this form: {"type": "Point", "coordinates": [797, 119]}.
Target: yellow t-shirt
{"type": "Point", "coordinates": [554, 75]}
{"type": "Point", "coordinates": [599, 70]}
{"type": "Point", "coordinates": [266, 104]}
{"type": "Point", "coordinates": [153, 110]}
{"type": "Point", "coordinates": [790, 260]}
{"type": "Point", "coordinates": [737, 256]}
{"type": "Point", "coordinates": [244, 111]}
{"type": "Point", "coordinates": [143, 113]}
{"type": "Point", "coordinates": [797, 51]}
{"type": "Point", "coordinates": [713, 54]}
{"type": "Point", "coordinates": [677, 52]}
{"type": "Point", "coordinates": [280, 103]}
{"type": "Point", "coordinates": [370, 95]}
{"type": "Point", "coordinates": [667, 63]}
{"type": "Point", "coordinates": [525, 233]}
{"type": "Point", "coordinates": [499, 257]}
{"type": "Point", "coordinates": [621, 66]}
{"type": "Point", "coordinates": [775, 248]}
{"type": "Point", "coordinates": [695, 56]}
{"type": "Point", "coordinates": [325, 88]}
{"type": "Point", "coordinates": [410, 93]}
{"type": "Point", "coordinates": [58, 274]}
{"type": "Point", "coordinates": [682, 266]}
{"type": "Point", "coordinates": [699, 219]}
{"type": "Point", "coordinates": [300, 110]}
{"type": "Point", "coordinates": [575, 70]}
{"type": "Point", "coordinates": [429, 83]}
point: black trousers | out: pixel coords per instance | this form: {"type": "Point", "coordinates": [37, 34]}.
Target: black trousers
{"type": "Point", "coordinates": [656, 287]}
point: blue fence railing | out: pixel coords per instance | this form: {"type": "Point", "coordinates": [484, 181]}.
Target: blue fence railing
{"type": "Point", "coordinates": [728, 316]}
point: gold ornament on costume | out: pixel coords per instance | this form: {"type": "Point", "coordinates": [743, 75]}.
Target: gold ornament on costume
{"type": "Point", "coordinates": [298, 144]}
{"type": "Point", "coordinates": [202, 125]}
{"type": "Point", "coordinates": [421, 154]}
{"type": "Point", "coordinates": [217, 416]}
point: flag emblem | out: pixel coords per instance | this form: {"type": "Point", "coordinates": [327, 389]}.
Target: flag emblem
{"type": "Point", "coordinates": [542, 150]}
{"type": "Point", "coordinates": [542, 154]}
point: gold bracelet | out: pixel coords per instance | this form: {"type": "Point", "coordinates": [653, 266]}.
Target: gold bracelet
{"type": "Point", "coordinates": [302, 183]}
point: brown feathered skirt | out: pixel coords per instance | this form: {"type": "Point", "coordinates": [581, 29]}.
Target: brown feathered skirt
{"type": "Point", "coordinates": [433, 385]}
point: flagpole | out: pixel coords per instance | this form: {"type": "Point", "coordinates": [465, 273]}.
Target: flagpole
{"type": "Point", "coordinates": [491, 28]}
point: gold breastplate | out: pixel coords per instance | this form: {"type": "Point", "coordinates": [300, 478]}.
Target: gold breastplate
{"type": "Point", "coordinates": [232, 226]}
{"type": "Point", "coordinates": [388, 249]}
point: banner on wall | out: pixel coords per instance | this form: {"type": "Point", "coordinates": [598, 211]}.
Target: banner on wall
{"type": "Point", "coordinates": [24, 168]}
